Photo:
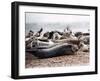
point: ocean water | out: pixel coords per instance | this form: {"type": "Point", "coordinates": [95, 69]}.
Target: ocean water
{"type": "Point", "coordinates": [75, 27]}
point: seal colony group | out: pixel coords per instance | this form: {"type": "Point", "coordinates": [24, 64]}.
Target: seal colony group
{"type": "Point", "coordinates": [55, 43]}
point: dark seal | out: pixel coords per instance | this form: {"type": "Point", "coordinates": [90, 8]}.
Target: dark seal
{"type": "Point", "coordinates": [53, 51]}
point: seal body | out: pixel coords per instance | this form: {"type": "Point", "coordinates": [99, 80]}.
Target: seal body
{"type": "Point", "coordinates": [53, 51]}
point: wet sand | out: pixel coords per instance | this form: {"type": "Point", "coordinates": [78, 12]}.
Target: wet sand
{"type": "Point", "coordinates": [77, 59]}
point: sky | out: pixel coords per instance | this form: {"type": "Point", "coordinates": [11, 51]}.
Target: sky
{"type": "Point", "coordinates": [53, 18]}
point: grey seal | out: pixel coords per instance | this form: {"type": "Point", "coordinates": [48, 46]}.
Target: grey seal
{"type": "Point", "coordinates": [53, 51]}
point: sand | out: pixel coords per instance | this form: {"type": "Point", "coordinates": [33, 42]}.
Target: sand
{"type": "Point", "coordinates": [77, 59]}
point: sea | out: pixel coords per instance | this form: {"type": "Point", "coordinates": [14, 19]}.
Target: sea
{"type": "Point", "coordinates": [47, 27]}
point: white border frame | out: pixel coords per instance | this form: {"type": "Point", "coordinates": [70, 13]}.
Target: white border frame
{"type": "Point", "coordinates": [38, 71]}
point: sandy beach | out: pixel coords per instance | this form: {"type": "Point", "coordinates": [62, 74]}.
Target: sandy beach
{"type": "Point", "coordinates": [77, 59]}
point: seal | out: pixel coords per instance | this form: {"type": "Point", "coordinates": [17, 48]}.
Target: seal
{"type": "Point", "coordinates": [53, 51]}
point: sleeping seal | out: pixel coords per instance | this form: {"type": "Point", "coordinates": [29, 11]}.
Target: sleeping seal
{"type": "Point", "coordinates": [53, 51]}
